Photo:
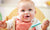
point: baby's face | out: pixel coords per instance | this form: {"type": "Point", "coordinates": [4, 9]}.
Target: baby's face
{"type": "Point", "coordinates": [26, 11]}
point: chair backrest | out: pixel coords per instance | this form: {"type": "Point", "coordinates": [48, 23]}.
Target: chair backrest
{"type": "Point", "coordinates": [39, 15]}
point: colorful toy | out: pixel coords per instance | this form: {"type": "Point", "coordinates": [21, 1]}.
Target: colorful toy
{"type": "Point", "coordinates": [0, 16]}
{"type": "Point", "coordinates": [48, 3]}
{"type": "Point", "coordinates": [39, 23]}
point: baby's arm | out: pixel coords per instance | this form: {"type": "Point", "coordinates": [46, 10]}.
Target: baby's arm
{"type": "Point", "coordinates": [45, 24]}
{"type": "Point", "coordinates": [6, 24]}
{"type": "Point", "coordinates": [3, 24]}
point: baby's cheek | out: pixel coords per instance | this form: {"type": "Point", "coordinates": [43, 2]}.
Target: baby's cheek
{"type": "Point", "coordinates": [21, 15]}
{"type": "Point", "coordinates": [32, 15]}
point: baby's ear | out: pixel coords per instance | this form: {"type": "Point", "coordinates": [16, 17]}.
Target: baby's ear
{"type": "Point", "coordinates": [35, 11]}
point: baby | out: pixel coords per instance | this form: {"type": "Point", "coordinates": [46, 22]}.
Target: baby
{"type": "Point", "coordinates": [25, 18]}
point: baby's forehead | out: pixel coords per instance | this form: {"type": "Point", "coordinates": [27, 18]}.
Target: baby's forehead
{"type": "Point", "coordinates": [26, 5]}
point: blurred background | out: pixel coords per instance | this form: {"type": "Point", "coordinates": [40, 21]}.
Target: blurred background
{"type": "Point", "coordinates": [6, 6]}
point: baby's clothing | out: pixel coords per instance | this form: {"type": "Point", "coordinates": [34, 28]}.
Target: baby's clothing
{"type": "Point", "coordinates": [19, 25]}
{"type": "Point", "coordinates": [22, 25]}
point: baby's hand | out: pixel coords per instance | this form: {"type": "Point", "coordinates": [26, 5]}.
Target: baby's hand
{"type": "Point", "coordinates": [45, 25]}
{"type": "Point", "coordinates": [3, 24]}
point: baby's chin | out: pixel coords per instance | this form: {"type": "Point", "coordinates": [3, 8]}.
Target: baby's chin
{"type": "Point", "coordinates": [26, 20]}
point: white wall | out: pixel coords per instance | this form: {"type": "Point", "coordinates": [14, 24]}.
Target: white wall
{"type": "Point", "coordinates": [0, 1]}
{"type": "Point", "coordinates": [37, 2]}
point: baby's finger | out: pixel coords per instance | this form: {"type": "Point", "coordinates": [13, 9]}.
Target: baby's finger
{"type": "Point", "coordinates": [3, 21]}
{"type": "Point", "coordinates": [0, 22]}
{"type": "Point", "coordinates": [46, 23]}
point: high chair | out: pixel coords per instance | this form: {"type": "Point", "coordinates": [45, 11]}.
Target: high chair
{"type": "Point", "coordinates": [39, 15]}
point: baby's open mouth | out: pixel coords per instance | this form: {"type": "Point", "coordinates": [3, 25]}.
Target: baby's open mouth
{"type": "Point", "coordinates": [26, 16]}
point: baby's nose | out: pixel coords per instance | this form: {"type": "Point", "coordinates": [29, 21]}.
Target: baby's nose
{"type": "Point", "coordinates": [26, 12]}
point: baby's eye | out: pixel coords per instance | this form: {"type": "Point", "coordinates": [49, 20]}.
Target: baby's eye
{"type": "Point", "coordinates": [30, 9]}
{"type": "Point", "coordinates": [23, 10]}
